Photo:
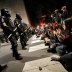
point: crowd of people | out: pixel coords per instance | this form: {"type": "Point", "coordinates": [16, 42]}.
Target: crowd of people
{"type": "Point", "coordinates": [14, 30]}
{"type": "Point", "coordinates": [58, 36]}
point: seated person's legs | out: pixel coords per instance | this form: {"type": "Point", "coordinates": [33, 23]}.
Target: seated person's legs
{"type": "Point", "coordinates": [66, 60]}
{"type": "Point", "coordinates": [61, 50]}
{"type": "Point", "coordinates": [53, 47]}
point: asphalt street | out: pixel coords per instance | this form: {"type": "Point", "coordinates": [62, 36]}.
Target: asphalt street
{"type": "Point", "coordinates": [37, 51]}
{"type": "Point", "coordinates": [15, 65]}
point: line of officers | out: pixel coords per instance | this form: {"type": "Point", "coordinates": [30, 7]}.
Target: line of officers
{"type": "Point", "coordinates": [14, 31]}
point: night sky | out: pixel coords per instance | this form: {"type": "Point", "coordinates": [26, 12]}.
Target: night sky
{"type": "Point", "coordinates": [37, 8]}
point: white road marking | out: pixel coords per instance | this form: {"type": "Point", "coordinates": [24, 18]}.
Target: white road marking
{"type": "Point", "coordinates": [37, 47]}
{"type": "Point", "coordinates": [37, 41]}
{"type": "Point", "coordinates": [34, 37]}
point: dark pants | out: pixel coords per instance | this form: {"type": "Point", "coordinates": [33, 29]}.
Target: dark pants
{"type": "Point", "coordinates": [61, 50]}
{"type": "Point", "coordinates": [67, 61]}
{"type": "Point", "coordinates": [53, 47]}
{"type": "Point", "coordinates": [6, 39]}
{"type": "Point", "coordinates": [14, 46]}
{"type": "Point", "coordinates": [22, 40]}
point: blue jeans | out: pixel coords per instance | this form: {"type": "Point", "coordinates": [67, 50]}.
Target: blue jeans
{"type": "Point", "coordinates": [61, 49]}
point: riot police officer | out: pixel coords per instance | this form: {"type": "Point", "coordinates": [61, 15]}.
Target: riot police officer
{"type": "Point", "coordinates": [7, 19]}
{"type": "Point", "coordinates": [10, 34]}
{"type": "Point", "coordinates": [20, 29]}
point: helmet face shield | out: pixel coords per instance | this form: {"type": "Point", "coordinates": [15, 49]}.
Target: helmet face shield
{"type": "Point", "coordinates": [5, 12]}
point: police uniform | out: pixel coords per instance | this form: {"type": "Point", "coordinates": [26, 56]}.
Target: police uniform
{"type": "Point", "coordinates": [10, 35]}
{"type": "Point", "coordinates": [20, 30]}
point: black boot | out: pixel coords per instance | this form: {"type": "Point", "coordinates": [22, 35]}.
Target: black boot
{"type": "Point", "coordinates": [16, 54]}
{"type": "Point", "coordinates": [2, 67]}
{"type": "Point", "coordinates": [18, 57]}
{"type": "Point", "coordinates": [24, 48]}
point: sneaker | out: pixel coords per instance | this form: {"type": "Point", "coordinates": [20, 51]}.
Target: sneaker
{"type": "Point", "coordinates": [55, 58]}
